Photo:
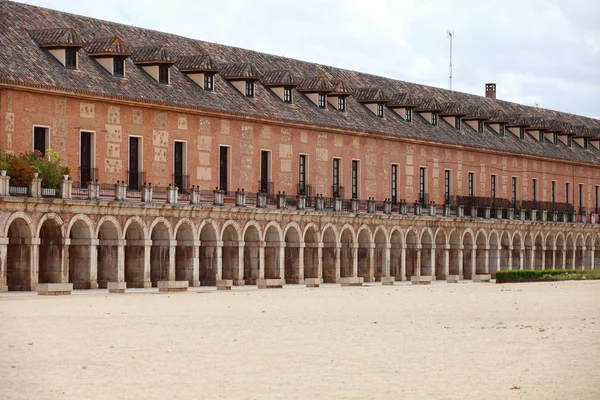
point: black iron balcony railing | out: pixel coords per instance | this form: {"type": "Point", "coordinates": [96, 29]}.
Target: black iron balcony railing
{"type": "Point", "coordinates": [265, 187]}
{"type": "Point", "coordinates": [546, 205]}
{"type": "Point", "coordinates": [480, 201]}
{"type": "Point", "coordinates": [304, 189]}
{"type": "Point", "coordinates": [86, 175]}
{"type": "Point", "coordinates": [337, 191]}
{"type": "Point", "coordinates": [182, 182]}
{"type": "Point", "coordinates": [135, 179]}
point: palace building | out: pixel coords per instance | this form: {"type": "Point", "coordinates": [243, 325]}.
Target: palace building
{"type": "Point", "coordinates": [202, 163]}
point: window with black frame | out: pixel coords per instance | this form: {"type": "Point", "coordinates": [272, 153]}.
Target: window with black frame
{"type": "Point", "coordinates": [355, 193]}
{"type": "Point", "coordinates": [119, 67]}
{"type": "Point", "coordinates": [322, 100]}
{"type": "Point", "coordinates": [394, 183]}
{"type": "Point", "coordinates": [408, 115]}
{"type": "Point", "coordinates": [447, 186]}
{"type": "Point", "coordinates": [249, 89]}
{"type": "Point", "coordinates": [471, 185]}
{"type": "Point", "coordinates": [163, 74]}
{"type": "Point", "coordinates": [380, 110]}
{"type": "Point", "coordinates": [71, 58]}
{"type": "Point", "coordinates": [341, 103]}
{"type": "Point", "coordinates": [493, 186]}
{"type": "Point", "coordinates": [287, 95]}
{"type": "Point", "coordinates": [208, 81]}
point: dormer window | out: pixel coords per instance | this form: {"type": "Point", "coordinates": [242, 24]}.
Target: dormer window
{"type": "Point", "coordinates": [380, 110]}
{"type": "Point", "coordinates": [341, 103]}
{"type": "Point", "coordinates": [119, 67]}
{"type": "Point", "coordinates": [208, 81]}
{"type": "Point", "coordinates": [249, 88]}
{"type": "Point", "coordinates": [71, 58]}
{"type": "Point", "coordinates": [522, 132]}
{"type": "Point", "coordinates": [322, 100]}
{"type": "Point", "coordinates": [163, 74]}
{"type": "Point", "coordinates": [434, 119]}
{"type": "Point", "coordinates": [569, 141]}
{"type": "Point", "coordinates": [457, 123]}
{"type": "Point", "coordinates": [555, 138]}
{"type": "Point", "coordinates": [480, 126]}
{"type": "Point", "coordinates": [287, 94]}
{"type": "Point", "coordinates": [408, 115]}
{"type": "Point", "coordinates": [501, 130]}
{"type": "Point", "coordinates": [585, 143]}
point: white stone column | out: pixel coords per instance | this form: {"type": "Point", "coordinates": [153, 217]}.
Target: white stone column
{"type": "Point", "coordinates": [3, 264]}
{"type": "Point", "coordinates": [240, 268]}
{"type": "Point", "coordinates": [171, 265]}
{"type": "Point", "coordinates": [93, 251]}
{"type": "Point", "coordinates": [196, 262]}
{"type": "Point", "coordinates": [554, 257]}
{"type": "Point", "coordinates": [460, 262]}
{"type": "Point", "coordinates": [147, 260]}
{"type": "Point", "coordinates": [418, 263]}
{"type": "Point", "coordinates": [487, 260]}
{"type": "Point", "coordinates": [282, 260]}
{"type": "Point", "coordinates": [510, 260]}
{"type": "Point", "coordinates": [261, 260]}
{"type": "Point", "coordinates": [35, 262]}
{"type": "Point", "coordinates": [432, 261]}
{"type": "Point", "coordinates": [64, 263]}
{"type": "Point", "coordinates": [543, 257]}
{"type": "Point", "coordinates": [446, 261]}
{"type": "Point", "coordinates": [564, 259]}
{"type": "Point", "coordinates": [403, 261]}
{"type": "Point", "coordinates": [121, 260]}
{"type": "Point", "coordinates": [338, 248]}
{"type": "Point", "coordinates": [320, 260]}
{"type": "Point", "coordinates": [354, 259]}
{"type": "Point", "coordinates": [301, 262]}
{"type": "Point", "coordinates": [473, 261]}
{"type": "Point", "coordinates": [521, 258]}
{"type": "Point", "coordinates": [385, 268]}
{"type": "Point", "coordinates": [371, 271]}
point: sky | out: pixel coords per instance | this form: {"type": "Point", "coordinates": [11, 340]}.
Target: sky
{"type": "Point", "coordinates": [542, 53]}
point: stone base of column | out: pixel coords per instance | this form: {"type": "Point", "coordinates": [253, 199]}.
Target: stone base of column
{"type": "Point", "coordinates": [270, 283]}
{"type": "Point", "coordinates": [54, 289]}
{"type": "Point", "coordinates": [482, 278]}
{"type": "Point", "coordinates": [420, 280]}
{"type": "Point", "coordinates": [293, 281]}
{"type": "Point", "coordinates": [196, 283]}
{"type": "Point", "coordinates": [452, 278]}
{"type": "Point", "coordinates": [352, 281]}
{"type": "Point", "coordinates": [312, 282]}
{"type": "Point", "coordinates": [224, 284]}
{"type": "Point", "coordinates": [3, 288]}
{"type": "Point", "coordinates": [139, 285]}
{"type": "Point", "coordinates": [116, 287]}
{"type": "Point", "coordinates": [85, 285]}
{"type": "Point", "coordinates": [173, 286]}
{"type": "Point", "coordinates": [240, 282]}
{"type": "Point", "coordinates": [388, 280]}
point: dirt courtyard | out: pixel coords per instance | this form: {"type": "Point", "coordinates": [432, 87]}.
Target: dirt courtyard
{"type": "Point", "coordinates": [444, 341]}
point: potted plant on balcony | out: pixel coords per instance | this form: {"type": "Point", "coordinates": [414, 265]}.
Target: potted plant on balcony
{"type": "Point", "coordinates": [4, 164]}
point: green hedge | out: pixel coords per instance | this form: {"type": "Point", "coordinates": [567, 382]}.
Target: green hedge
{"type": "Point", "coordinates": [546, 275]}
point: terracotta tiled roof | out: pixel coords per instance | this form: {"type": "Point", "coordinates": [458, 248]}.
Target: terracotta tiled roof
{"type": "Point", "coordinates": [536, 123]}
{"type": "Point", "coordinates": [197, 63]}
{"type": "Point", "coordinates": [281, 77]}
{"type": "Point", "coordinates": [370, 95]}
{"type": "Point", "coordinates": [402, 99]}
{"type": "Point", "coordinates": [429, 104]}
{"type": "Point", "coordinates": [477, 112]}
{"type": "Point", "coordinates": [499, 116]}
{"type": "Point", "coordinates": [24, 64]}
{"type": "Point", "coordinates": [233, 71]}
{"type": "Point", "coordinates": [315, 84]}
{"type": "Point", "coordinates": [340, 88]}
{"type": "Point", "coordinates": [453, 109]}
{"type": "Point", "coordinates": [56, 37]}
{"type": "Point", "coordinates": [152, 55]}
{"type": "Point", "coordinates": [518, 120]}
{"type": "Point", "coordinates": [108, 45]}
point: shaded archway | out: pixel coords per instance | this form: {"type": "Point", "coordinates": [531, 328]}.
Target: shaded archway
{"type": "Point", "coordinates": [272, 245]}
{"type": "Point", "coordinates": [550, 252]}
{"type": "Point", "coordinates": [413, 248]}
{"type": "Point", "coordinates": [330, 254]}
{"type": "Point", "coordinates": [292, 256]}
{"type": "Point", "coordinates": [137, 275]}
{"type": "Point", "coordinates": [252, 245]}
{"type": "Point", "coordinates": [347, 253]}
{"type": "Point", "coordinates": [82, 274]}
{"type": "Point", "coordinates": [160, 257]}
{"type": "Point", "coordinates": [539, 252]}
{"type": "Point", "coordinates": [505, 251]}
{"type": "Point", "coordinates": [517, 251]}
{"type": "Point", "coordinates": [185, 254]}
{"type": "Point", "coordinates": [19, 257]}
{"type": "Point", "coordinates": [381, 262]}
{"type": "Point", "coordinates": [454, 253]}
{"type": "Point", "coordinates": [231, 254]}
{"type": "Point", "coordinates": [579, 244]}
{"type": "Point", "coordinates": [427, 253]}
{"type": "Point", "coordinates": [597, 252]}
{"type": "Point", "coordinates": [529, 250]}
{"type": "Point", "coordinates": [561, 252]}
{"type": "Point", "coordinates": [364, 261]}
{"type": "Point", "coordinates": [396, 255]}
{"type": "Point", "coordinates": [494, 253]}
{"type": "Point", "coordinates": [108, 252]}
{"type": "Point", "coordinates": [311, 253]}
{"type": "Point", "coordinates": [468, 255]}
{"type": "Point", "coordinates": [51, 252]}
{"type": "Point", "coordinates": [481, 254]}
{"type": "Point", "coordinates": [588, 254]}
{"type": "Point", "coordinates": [440, 254]}
{"type": "Point", "coordinates": [570, 252]}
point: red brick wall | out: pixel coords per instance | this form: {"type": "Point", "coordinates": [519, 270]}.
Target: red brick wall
{"type": "Point", "coordinates": [66, 117]}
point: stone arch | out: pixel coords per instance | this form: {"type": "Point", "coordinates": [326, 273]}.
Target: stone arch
{"type": "Point", "coordinates": [51, 256]}
{"type": "Point", "coordinates": [230, 237]}
{"type": "Point", "coordinates": [19, 254]}
{"type": "Point", "coordinates": [330, 255]}
{"type": "Point", "coordinates": [347, 251]}
{"type": "Point", "coordinates": [441, 242]}
{"type": "Point", "coordinates": [549, 253]}
{"type": "Point", "coordinates": [208, 269]}
{"type": "Point", "coordinates": [413, 248]}
{"type": "Point", "coordinates": [381, 261]}
{"type": "Point", "coordinates": [505, 251]}
{"type": "Point", "coordinates": [427, 252]}
{"type": "Point", "coordinates": [186, 252]}
{"type": "Point", "coordinates": [83, 273]}
{"type": "Point", "coordinates": [396, 249]}
{"type": "Point", "coordinates": [108, 233]}
{"type": "Point", "coordinates": [364, 262]}
{"type": "Point", "coordinates": [161, 260]}
{"type": "Point", "coordinates": [570, 251]}
{"type": "Point", "coordinates": [539, 250]}
{"type": "Point", "coordinates": [311, 252]}
{"type": "Point", "coordinates": [494, 252]}
{"type": "Point", "coordinates": [468, 244]}
{"type": "Point", "coordinates": [455, 262]}
{"type": "Point", "coordinates": [293, 262]}
{"type": "Point", "coordinates": [529, 250]}
{"type": "Point", "coordinates": [252, 252]}
{"type": "Point", "coordinates": [517, 250]}
{"type": "Point", "coordinates": [137, 253]}
{"type": "Point", "coordinates": [561, 250]}
{"type": "Point", "coordinates": [273, 241]}
{"type": "Point", "coordinates": [482, 265]}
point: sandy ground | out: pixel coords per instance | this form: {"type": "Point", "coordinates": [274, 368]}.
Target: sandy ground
{"type": "Point", "coordinates": [461, 341]}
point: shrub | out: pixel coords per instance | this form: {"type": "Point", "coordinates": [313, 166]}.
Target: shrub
{"type": "Point", "coordinates": [545, 275]}
{"type": "Point", "coordinates": [21, 173]}
{"type": "Point", "coordinates": [48, 166]}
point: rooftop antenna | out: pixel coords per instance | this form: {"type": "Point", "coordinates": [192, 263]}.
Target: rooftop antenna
{"type": "Point", "coordinates": [450, 35]}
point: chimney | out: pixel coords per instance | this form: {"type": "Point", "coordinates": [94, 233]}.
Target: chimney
{"type": "Point", "coordinates": [490, 90]}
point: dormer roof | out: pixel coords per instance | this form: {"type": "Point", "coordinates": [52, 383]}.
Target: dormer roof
{"type": "Point", "coordinates": [340, 88]}
{"type": "Point", "coordinates": [402, 100]}
{"type": "Point", "coordinates": [57, 37]}
{"type": "Point", "coordinates": [582, 131]}
{"type": "Point", "coordinates": [518, 120]}
{"type": "Point", "coordinates": [370, 95]}
{"type": "Point", "coordinates": [476, 113]}
{"type": "Point", "coordinates": [239, 71]}
{"type": "Point", "coordinates": [107, 46]}
{"type": "Point", "coordinates": [316, 84]}
{"type": "Point", "coordinates": [152, 55]}
{"type": "Point", "coordinates": [280, 77]}
{"type": "Point", "coordinates": [536, 123]}
{"type": "Point", "coordinates": [197, 63]}
{"type": "Point", "coordinates": [429, 104]}
{"type": "Point", "coordinates": [452, 109]}
{"type": "Point", "coordinates": [499, 117]}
